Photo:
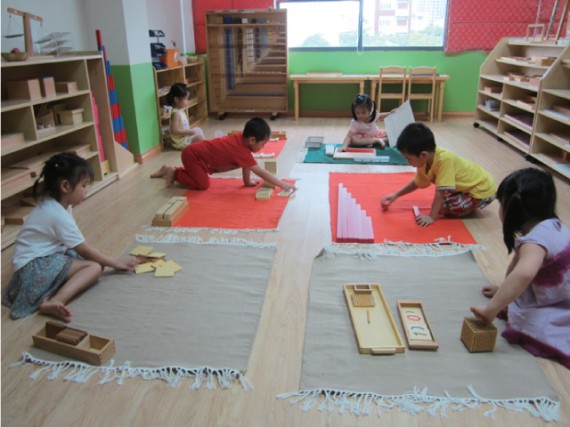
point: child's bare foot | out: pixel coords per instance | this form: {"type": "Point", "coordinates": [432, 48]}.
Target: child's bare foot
{"type": "Point", "coordinates": [56, 309]}
{"type": "Point", "coordinates": [169, 177]}
{"type": "Point", "coordinates": [161, 172]}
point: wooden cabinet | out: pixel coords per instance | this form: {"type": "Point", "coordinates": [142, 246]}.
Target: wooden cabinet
{"type": "Point", "coordinates": [34, 94]}
{"type": "Point", "coordinates": [247, 61]}
{"type": "Point", "coordinates": [193, 75]}
{"type": "Point", "coordinates": [521, 83]}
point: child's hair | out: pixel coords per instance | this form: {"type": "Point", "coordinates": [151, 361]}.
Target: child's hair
{"type": "Point", "coordinates": [258, 128]}
{"type": "Point", "coordinates": [177, 90]}
{"type": "Point", "coordinates": [526, 196]}
{"type": "Point", "coordinates": [363, 100]}
{"type": "Point", "coordinates": [59, 167]}
{"type": "Point", "coordinates": [415, 138]}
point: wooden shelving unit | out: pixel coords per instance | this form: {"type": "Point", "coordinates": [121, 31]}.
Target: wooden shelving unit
{"type": "Point", "coordinates": [26, 144]}
{"type": "Point", "coordinates": [520, 85]}
{"type": "Point", "coordinates": [247, 61]}
{"type": "Point", "coordinates": [194, 75]}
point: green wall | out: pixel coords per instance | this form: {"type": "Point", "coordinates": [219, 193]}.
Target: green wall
{"type": "Point", "coordinates": [460, 91]}
{"type": "Point", "coordinates": [137, 95]}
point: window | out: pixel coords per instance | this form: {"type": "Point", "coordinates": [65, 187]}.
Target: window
{"type": "Point", "coordinates": [365, 24]}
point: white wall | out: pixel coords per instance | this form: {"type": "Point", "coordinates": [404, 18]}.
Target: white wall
{"type": "Point", "coordinates": [59, 16]}
{"type": "Point", "coordinates": [174, 17]}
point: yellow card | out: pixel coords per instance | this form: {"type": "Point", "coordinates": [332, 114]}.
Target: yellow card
{"type": "Point", "coordinates": [146, 267]}
{"type": "Point", "coordinates": [163, 272]}
{"type": "Point", "coordinates": [156, 255]}
{"type": "Point", "coordinates": [171, 265]}
{"type": "Point", "coordinates": [141, 250]}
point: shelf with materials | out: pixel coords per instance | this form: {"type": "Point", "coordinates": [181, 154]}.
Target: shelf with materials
{"type": "Point", "coordinates": [69, 113]}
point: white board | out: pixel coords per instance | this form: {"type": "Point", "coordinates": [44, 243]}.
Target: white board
{"type": "Point", "coordinates": [397, 121]}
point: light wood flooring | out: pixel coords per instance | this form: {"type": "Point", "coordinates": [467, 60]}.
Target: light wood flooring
{"type": "Point", "coordinates": [111, 218]}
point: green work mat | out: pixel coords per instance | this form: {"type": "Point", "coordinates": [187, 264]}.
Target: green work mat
{"type": "Point", "coordinates": [317, 155]}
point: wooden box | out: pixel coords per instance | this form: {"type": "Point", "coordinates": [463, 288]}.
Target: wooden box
{"type": "Point", "coordinates": [11, 139]}
{"type": "Point", "coordinates": [417, 328]}
{"type": "Point", "coordinates": [562, 109]}
{"type": "Point", "coordinates": [15, 215]}
{"type": "Point", "coordinates": [15, 180]}
{"type": "Point", "coordinates": [47, 85]}
{"type": "Point", "coordinates": [478, 336]}
{"type": "Point", "coordinates": [66, 87]}
{"type": "Point", "coordinates": [24, 89]}
{"type": "Point", "coordinates": [169, 213]}
{"type": "Point", "coordinates": [90, 348]}
{"type": "Point", "coordinates": [71, 117]}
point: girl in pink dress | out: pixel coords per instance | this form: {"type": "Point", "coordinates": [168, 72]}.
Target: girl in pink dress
{"type": "Point", "coordinates": [364, 130]}
{"type": "Point", "coordinates": [534, 297]}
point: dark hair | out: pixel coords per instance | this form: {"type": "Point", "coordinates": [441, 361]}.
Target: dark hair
{"type": "Point", "coordinates": [177, 90]}
{"type": "Point", "coordinates": [526, 196]}
{"type": "Point", "coordinates": [59, 167]}
{"type": "Point", "coordinates": [415, 138]}
{"type": "Point", "coordinates": [258, 128]}
{"type": "Point", "coordinates": [364, 100]}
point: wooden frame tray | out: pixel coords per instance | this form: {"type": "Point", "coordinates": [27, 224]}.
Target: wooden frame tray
{"type": "Point", "coordinates": [374, 326]}
{"type": "Point", "coordinates": [92, 349]}
{"type": "Point", "coordinates": [417, 328]}
{"type": "Point", "coordinates": [354, 153]}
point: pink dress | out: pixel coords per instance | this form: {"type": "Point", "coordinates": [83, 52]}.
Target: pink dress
{"type": "Point", "coordinates": [539, 320]}
{"type": "Point", "coordinates": [367, 130]}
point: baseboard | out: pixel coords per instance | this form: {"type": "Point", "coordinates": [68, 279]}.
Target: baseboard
{"type": "Point", "coordinates": [149, 154]}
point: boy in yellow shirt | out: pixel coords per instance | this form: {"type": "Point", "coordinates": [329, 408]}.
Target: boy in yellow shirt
{"type": "Point", "coordinates": [461, 185]}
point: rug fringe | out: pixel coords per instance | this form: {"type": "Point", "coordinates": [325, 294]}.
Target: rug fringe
{"type": "Point", "coordinates": [175, 238]}
{"type": "Point", "coordinates": [173, 375]}
{"type": "Point", "coordinates": [372, 251]}
{"type": "Point", "coordinates": [417, 401]}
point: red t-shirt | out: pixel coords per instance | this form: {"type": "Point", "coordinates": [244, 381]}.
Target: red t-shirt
{"type": "Point", "coordinates": [226, 152]}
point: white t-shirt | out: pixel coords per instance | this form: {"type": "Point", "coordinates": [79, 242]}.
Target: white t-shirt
{"type": "Point", "coordinates": [48, 229]}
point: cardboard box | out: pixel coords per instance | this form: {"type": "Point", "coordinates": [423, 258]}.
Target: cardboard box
{"type": "Point", "coordinates": [66, 87]}
{"type": "Point", "coordinates": [47, 85]}
{"type": "Point", "coordinates": [24, 89]}
{"type": "Point", "coordinates": [71, 117]}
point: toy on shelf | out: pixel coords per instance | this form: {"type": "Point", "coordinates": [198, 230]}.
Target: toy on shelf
{"type": "Point", "coordinates": [374, 326]}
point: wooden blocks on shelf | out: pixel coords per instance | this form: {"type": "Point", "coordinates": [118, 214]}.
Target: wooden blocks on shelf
{"type": "Point", "coordinates": [74, 343]}
{"type": "Point", "coordinates": [417, 328]}
{"type": "Point", "coordinates": [478, 336]}
{"type": "Point", "coordinates": [169, 213]}
{"type": "Point", "coordinates": [70, 117]}
{"type": "Point", "coordinates": [66, 87]}
{"type": "Point", "coordinates": [353, 225]}
{"type": "Point", "coordinates": [374, 326]}
{"type": "Point", "coordinates": [24, 89]}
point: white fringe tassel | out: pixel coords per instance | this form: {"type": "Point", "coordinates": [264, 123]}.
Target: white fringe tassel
{"type": "Point", "coordinates": [174, 238]}
{"type": "Point", "coordinates": [372, 251]}
{"type": "Point", "coordinates": [173, 375]}
{"type": "Point", "coordinates": [417, 401]}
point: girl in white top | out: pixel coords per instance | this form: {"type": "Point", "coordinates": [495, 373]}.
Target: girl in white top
{"type": "Point", "coordinates": [181, 133]}
{"type": "Point", "coordinates": [52, 262]}
{"type": "Point", "coordinates": [364, 130]}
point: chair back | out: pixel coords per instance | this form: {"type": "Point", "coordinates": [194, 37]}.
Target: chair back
{"type": "Point", "coordinates": [422, 86]}
{"type": "Point", "coordinates": [391, 84]}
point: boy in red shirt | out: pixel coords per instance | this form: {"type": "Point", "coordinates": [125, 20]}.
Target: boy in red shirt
{"type": "Point", "coordinates": [221, 155]}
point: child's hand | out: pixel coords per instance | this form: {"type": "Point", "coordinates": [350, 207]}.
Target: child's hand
{"type": "Point", "coordinates": [482, 313]}
{"type": "Point", "coordinates": [387, 201]}
{"type": "Point", "coordinates": [424, 220]}
{"type": "Point", "coordinates": [127, 264]}
{"type": "Point", "coordinates": [288, 187]}
{"type": "Point", "coordinates": [251, 183]}
{"type": "Point", "coordinates": [489, 290]}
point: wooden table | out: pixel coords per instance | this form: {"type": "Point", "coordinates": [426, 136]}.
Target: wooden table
{"type": "Point", "coordinates": [360, 79]}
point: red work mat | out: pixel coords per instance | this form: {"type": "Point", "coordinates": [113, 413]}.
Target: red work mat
{"type": "Point", "coordinates": [272, 147]}
{"type": "Point", "coordinates": [397, 224]}
{"type": "Point", "coordinates": [229, 204]}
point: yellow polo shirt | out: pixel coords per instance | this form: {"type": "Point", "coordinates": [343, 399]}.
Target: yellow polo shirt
{"type": "Point", "coordinates": [452, 172]}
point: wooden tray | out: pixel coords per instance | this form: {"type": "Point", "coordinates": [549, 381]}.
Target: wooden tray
{"type": "Point", "coordinates": [417, 328]}
{"type": "Point", "coordinates": [374, 326]}
{"type": "Point", "coordinates": [92, 349]}
{"type": "Point", "coordinates": [353, 153]}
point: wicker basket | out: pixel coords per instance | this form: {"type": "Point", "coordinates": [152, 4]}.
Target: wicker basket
{"type": "Point", "coordinates": [478, 336]}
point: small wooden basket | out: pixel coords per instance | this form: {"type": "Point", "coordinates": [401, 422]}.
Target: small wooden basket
{"type": "Point", "coordinates": [478, 336]}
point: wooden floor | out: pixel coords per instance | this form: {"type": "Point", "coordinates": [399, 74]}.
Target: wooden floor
{"type": "Point", "coordinates": [111, 218]}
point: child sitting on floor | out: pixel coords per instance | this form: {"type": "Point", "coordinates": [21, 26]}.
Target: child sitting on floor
{"type": "Point", "coordinates": [181, 133]}
{"type": "Point", "coordinates": [535, 294]}
{"type": "Point", "coordinates": [461, 185]}
{"type": "Point", "coordinates": [221, 155]}
{"type": "Point", "coordinates": [52, 261]}
{"type": "Point", "coordinates": [364, 130]}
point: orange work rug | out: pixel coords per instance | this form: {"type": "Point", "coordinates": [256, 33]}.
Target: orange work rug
{"type": "Point", "coordinates": [229, 204]}
{"type": "Point", "coordinates": [271, 147]}
{"type": "Point", "coordinates": [397, 224]}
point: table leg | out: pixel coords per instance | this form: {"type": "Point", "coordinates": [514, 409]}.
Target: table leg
{"type": "Point", "coordinates": [373, 91]}
{"type": "Point", "coordinates": [361, 86]}
{"type": "Point", "coordinates": [440, 93]}
{"type": "Point", "coordinates": [296, 96]}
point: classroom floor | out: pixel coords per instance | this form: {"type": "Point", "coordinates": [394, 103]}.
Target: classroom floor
{"type": "Point", "coordinates": [112, 217]}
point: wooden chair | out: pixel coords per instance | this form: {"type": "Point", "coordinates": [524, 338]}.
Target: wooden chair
{"type": "Point", "coordinates": [391, 85]}
{"type": "Point", "coordinates": [421, 86]}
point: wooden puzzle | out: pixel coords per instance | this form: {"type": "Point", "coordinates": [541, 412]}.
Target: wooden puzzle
{"type": "Point", "coordinates": [417, 328]}
{"type": "Point", "coordinates": [374, 326]}
{"type": "Point", "coordinates": [169, 213]}
{"type": "Point", "coordinates": [74, 343]}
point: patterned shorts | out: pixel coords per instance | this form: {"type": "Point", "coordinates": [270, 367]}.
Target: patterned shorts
{"type": "Point", "coordinates": [458, 204]}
